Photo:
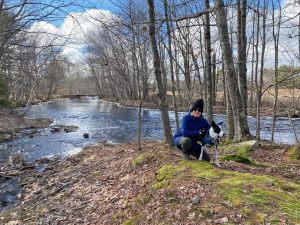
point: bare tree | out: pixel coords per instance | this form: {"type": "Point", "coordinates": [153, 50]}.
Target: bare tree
{"type": "Point", "coordinates": [242, 47]}
{"type": "Point", "coordinates": [275, 34]}
{"type": "Point", "coordinates": [157, 70]}
{"type": "Point", "coordinates": [208, 69]}
{"type": "Point", "coordinates": [166, 8]}
{"type": "Point", "coordinates": [241, 123]}
{"type": "Point", "coordinates": [259, 81]}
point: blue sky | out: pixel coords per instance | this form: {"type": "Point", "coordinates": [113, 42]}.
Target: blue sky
{"type": "Point", "coordinates": [81, 13]}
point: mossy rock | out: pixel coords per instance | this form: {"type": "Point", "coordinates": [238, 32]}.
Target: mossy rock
{"type": "Point", "coordinates": [239, 152]}
{"type": "Point", "coordinates": [294, 152]}
{"type": "Point", "coordinates": [142, 158]}
{"type": "Point", "coordinates": [242, 148]}
{"type": "Point", "coordinates": [238, 158]}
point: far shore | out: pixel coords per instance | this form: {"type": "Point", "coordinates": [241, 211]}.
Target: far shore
{"type": "Point", "coordinates": [219, 108]}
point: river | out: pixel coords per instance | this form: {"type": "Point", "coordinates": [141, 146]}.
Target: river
{"type": "Point", "coordinates": [105, 121]}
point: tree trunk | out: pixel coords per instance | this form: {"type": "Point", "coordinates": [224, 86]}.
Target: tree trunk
{"type": "Point", "coordinates": [171, 63]}
{"type": "Point", "coordinates": [229, 114]}
{"type": "Point", "coordinates": [203, 89]}
{"type": "Point", "coordinates": [276, 45]}
{"type": "Point", "coordinates": [215, 78]}
{"type": "Point", "coordinates": [135, 62]}
{"type": "Point", "coordinates": [157, 70]}
{"type": "Point", "coordinates": [259, 85]}
{"type": "Point", "coordinates": [197, 70]}
{"type": "Point", "coordinates": [252, 63]}
{"type": "Point", "coordinates": [241, 123]}
{"type": "Point", "coordinates": [242, 49]}
{"type": "Point", "coordinates": [177, 78]}
{"type": "Point", "coordinates": [209, 80]}
{"type": "Point", "coordinates": [299, 35]}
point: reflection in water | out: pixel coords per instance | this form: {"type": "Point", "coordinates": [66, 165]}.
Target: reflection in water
{"type": "Point", "coordinates": [105, 121]}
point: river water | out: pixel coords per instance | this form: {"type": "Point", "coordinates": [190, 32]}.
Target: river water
{"type": "Point", "coordinates": [105, 121]}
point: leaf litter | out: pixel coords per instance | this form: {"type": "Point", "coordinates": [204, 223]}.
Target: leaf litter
{"type": "Point", "coordinates": [103, 185]}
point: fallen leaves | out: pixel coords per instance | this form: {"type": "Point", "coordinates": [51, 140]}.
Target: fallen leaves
{"type": "Point", "coordinates": [101, 186]}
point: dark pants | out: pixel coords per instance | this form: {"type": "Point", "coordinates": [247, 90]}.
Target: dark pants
{"type": "Point", "coordinates": [191, 147]}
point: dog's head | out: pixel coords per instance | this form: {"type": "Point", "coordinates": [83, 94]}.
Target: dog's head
{"type": "Point", "coordinates": [216, 131]}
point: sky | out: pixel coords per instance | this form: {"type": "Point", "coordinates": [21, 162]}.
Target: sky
{"type": "Point", "coordinates": [78, 22]}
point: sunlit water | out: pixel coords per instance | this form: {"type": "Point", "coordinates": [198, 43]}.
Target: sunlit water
{"type": "Point", "coordinates": [105, 121]}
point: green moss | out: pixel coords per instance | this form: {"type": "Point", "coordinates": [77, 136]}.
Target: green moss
{"type": "Point", "coordinates": [201, 169]}
{"type": "Point", "coordinates": [242, 148]}
{"type": "Point", "coordinates": [246, 211]}
{"type": "Point", "coordinates": [243, 151]}
{"type": "Point", "coordinates": [198, 169]}
{"type": "Point", "coordinates": [165, 174]}
{"type": "Point", "coordinates": [142, 158]}
{"type": "Point", "coordinates": [267, 193]}
{"type": "Point", "coordinates": [294, 153]}
{"type": "Point", "coordinates": [128, 222]}
{"type": "Point", "coordinates": [260, 218]}
{"type": "Point", "coordinates": [238, 158]}
{"type": "Point", "coordinates": [138, 219]}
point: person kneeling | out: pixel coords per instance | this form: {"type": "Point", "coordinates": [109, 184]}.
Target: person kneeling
{"type": "Point", "coordinates": [192, 132]}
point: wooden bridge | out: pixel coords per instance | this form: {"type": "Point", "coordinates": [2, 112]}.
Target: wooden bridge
{"type": "Point", "coordinates": [78, 96]}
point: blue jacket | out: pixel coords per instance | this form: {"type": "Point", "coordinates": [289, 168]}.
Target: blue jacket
{"type": "Point", "coordinates": [190, 127]}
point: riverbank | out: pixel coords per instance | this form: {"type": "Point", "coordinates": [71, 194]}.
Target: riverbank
{"type": "Point", "coordinates": [11, 125]}
{"type": "Point", "coordinates": [116, 184]}
{"type": "Point", "coordinates": [219, 108]}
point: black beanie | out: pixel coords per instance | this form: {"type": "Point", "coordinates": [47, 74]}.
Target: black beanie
{"type": "Point", "coordinates": [198, 105]}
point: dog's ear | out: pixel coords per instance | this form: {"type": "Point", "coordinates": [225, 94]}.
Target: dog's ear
{"type": "Point", "coordinates": [213, 123]}
{"type": "Point", "coordinates": [220, 123]}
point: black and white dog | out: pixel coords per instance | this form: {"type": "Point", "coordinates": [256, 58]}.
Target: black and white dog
{"type": "Point", "coordinates": [214, 136]}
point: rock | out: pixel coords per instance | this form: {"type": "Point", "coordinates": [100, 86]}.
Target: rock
{"type": "Point", "coordinates": [196, 200]}
{"type": "Point", "coordinates": [86, 135]}
{"type": "Point", "coordinates": [244, 146]}
{"type": "Point", "coordinates": [56, 128]}
{"type": "Point", "coordinates": [66, 128]}
{"type": "Point", "coordinates": [37, 122]}
{"type": "Point", "coordinates": [16, 159]}
{"type": "Point", "coordinates": [253, 144]}
{"type": "Point", "coordinates": [6, 136]}
{"type": "Point", "coordinates": [70, 128]}
{"type": "Point", "coordinates": [3, 200]}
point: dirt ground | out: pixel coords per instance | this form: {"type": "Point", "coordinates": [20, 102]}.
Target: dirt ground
{"type": "Point", "coordinates": [116, 184]}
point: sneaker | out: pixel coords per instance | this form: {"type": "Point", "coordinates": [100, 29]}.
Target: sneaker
{"type": "Point", "coordinates": [186, 156]}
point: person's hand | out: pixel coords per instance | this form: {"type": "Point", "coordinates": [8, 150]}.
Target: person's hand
{"type": "Point", "coordinates": [202, 131]}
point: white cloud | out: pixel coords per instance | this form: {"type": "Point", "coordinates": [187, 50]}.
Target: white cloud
{"type": "Point", "coordinates": [71, 35]}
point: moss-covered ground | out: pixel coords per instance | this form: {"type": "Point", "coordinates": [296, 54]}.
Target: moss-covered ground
{"type": "Point", "coordinates": [116, 184]}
